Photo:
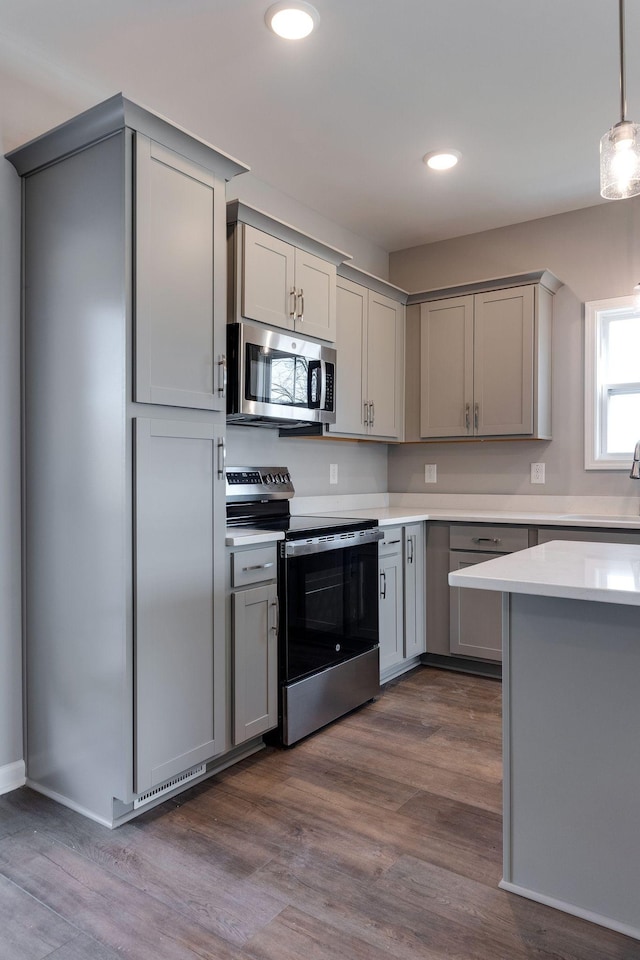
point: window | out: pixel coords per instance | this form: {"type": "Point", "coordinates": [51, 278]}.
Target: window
{"type": "Point", "coordinates": [612, 383]}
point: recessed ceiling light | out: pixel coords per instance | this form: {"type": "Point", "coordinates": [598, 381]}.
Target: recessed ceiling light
{"type": "Point", "coordinates": [292, 20]}
{"type": "Point", "coordinates": [442, 159]}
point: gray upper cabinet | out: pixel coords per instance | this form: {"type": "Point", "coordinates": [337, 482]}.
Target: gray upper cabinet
{"type": "Point", "coordinates": [485, 360]}
{"type": "Point", "coordinates": [370, 370]}
{"type": "Point", "coordinates": [124, 260]}
{"type": "Point", "coordinates": [179, 289]}
{"type": "Point", "coordinates": [280, 276]}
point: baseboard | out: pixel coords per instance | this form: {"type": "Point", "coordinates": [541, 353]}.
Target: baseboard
{"type": "Point", "coordinates": [617, 925]}
{"type": "Point", "coordinates": [12, 776]}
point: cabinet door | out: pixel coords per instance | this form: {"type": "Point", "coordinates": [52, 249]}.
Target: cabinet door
{"type": "Point", "coordinates": [503, 362]}
{"type": "Point", "coordinates": [385, 366]}
{"type": "Point", "coordinates": [476, 615]}
{"type": "Point", "coordinates": [351, 320]}
{"type": "Point", "coordinates": [390, 611]}
{"type": "Point", "coordinates": [179, 280]}
{"type": "Point", "coordinates": [315, 281]}
{"type": "Point", "coordinates": [446, 364]}
{"type": "Point", "coordinates": [255, 661]}
{"type": "Point", "coordinates": [268, 284]}
{"type": "Point", "coordinates": [414, 590]}
{"type": "Point", "coordinates": [179, 600]}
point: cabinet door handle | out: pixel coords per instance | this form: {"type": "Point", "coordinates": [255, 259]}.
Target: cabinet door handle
{"type": "Point", "coordinates": [292, 313]}
{"type": "Point", "coordinates": [258, 566]}
{"type": "Point", "coordinates": [276, 609]}
{"type": "Point", "coordinates": [222, 375]}
{"type": "Point", "coordinates": [410, 548]}
{"type": "Point", "coordinates": [222, 456]}
{"type": "Point", "coordinates": [467, 416]}
{"type": "Point", "coordinates": [487, 539]}
{"type": "Point", "coordinates": [300, 316]}
{"type": "Point", "coordinates": [383, 585]}
{"type": "Point", "coordinates": [373, 412]}
{"type": "Point", "coordinates": [476, 415]}
{"type": "Point", "coordinates": [366, 413]}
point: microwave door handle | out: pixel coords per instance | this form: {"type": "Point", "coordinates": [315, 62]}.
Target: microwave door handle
{"type": "Point", "coordinates": [313, 401]}
{"type": "Point", "coordinates": [323, 384]}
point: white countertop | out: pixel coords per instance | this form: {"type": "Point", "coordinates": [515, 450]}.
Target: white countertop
{"type": "Point", "coordinates": [605, 572]}
{"type": "Point", "coordinates": [248, 536]}
{"type": "Point", "coordinates": [390, 515]}
{"type": "Point", "coordinates": [387, 516]}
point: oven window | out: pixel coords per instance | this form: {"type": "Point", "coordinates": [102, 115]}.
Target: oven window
{"type": "Point", "coordinates": [331, 609]}
{"type": "Point", "coordinates": [274, 376]}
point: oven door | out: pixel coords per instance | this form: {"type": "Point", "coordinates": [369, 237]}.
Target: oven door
{"type": "Point", "coordinates": [275, 376]}
{"type": "Point", "coordinates": [329, 602]}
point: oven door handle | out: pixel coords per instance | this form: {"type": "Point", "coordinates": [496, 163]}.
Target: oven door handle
{"type": "Point", "coordinates": [341, 541]}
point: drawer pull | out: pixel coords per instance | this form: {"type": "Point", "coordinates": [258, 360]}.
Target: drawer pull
{"type": "Point", "coordinates": [257, 566]}
{"type": "Point", "coordinates": [387, 543]}
{"type": "Point", "coordinates": [487, 539]}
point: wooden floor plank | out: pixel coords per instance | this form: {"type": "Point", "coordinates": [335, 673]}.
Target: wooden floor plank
{"type": "Point", "coordinates": [110, 910]}
{"type": "Point", "coordinates": [28, 930]}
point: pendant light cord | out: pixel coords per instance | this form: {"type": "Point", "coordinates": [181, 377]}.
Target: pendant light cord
{"type": "Point", "coordinates": [623, 93]}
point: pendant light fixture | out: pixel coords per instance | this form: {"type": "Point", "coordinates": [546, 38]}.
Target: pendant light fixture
{"type": "Point", "coordinates": [620, 146]}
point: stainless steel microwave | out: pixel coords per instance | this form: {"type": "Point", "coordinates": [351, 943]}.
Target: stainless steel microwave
{"type": "Point", "coordinates": [278, 380]}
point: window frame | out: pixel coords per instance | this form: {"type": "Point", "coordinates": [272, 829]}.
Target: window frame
{"type": "Point", "coordinates": [596, 394]}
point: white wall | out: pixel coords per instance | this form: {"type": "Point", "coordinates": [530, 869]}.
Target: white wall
{"type": "Point", "coordinates": [366, 255]}
{"type": "Point", "coordinates": [596, 253]}
{"type": "Point", "coordinates": [362, 467]}
{"type": "Point", "coordinates": [10, 564]}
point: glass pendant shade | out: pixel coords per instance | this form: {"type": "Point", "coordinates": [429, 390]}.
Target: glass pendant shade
{"type": "Point", "coordinates": [620, 161]}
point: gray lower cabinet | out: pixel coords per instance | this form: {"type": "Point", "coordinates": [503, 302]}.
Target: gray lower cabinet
{"type": "Point", "coordinates": [180, 685]}
{"type": "Point", "coordinates": [391, 619]}
{"type": "Point", "coordinates": [255, 661]}
{"type": "Point", "coordinates": [476, 615]}
{"type": "Point", "coordinates": [253, 630]}
{"type": "Point", "coordinates": [464, 627]}
{"type": "Point", "coordinates": [401, 599]}
{"type": "Point", "coordinates": [414, 589]}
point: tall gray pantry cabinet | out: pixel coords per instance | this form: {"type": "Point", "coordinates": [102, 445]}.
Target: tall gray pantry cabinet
{"type": "Point", "coordinates": [124, 312]}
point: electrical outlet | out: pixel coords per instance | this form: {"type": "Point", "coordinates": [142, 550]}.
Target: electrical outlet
{"type": "Point", "coordinates": [333, 473]}
{"type": "Point", "coordinates": [537, 473]}
{"type": "Point", "coordinates": [430, 473]}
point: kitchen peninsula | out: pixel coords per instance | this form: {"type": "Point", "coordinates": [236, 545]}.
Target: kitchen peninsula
{"type": "Point", "coordinates": [571, 677]}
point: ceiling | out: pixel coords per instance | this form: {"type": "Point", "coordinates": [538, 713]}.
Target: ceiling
{"type": "Point", "coordinates": [340, 121]}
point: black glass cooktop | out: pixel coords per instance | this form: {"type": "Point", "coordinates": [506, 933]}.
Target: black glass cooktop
{"type": "Point", "coordinates": [272, 516]}
{"type": "Point", "coordinates": [311, 526]}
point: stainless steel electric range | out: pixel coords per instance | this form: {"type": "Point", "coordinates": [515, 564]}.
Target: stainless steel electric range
{"type": "Point", "coordinates": [328, 655]}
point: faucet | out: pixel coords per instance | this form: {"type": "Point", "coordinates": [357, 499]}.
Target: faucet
{"type": "Point", "coordinates": [635, 466]}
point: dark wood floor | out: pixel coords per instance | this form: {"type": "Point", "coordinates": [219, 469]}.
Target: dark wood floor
{"type": "Point", "coordinates": [379, 837]}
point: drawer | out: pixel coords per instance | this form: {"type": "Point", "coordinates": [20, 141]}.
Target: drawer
{"type": "Point", "coordinates": [482, 536]}
{"type": "Point", "coordinates": [592, 535]}
{"type": "Point", "coordinates": [253, 566]}
{"type": "Point", "coordinates": [392, 542]}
